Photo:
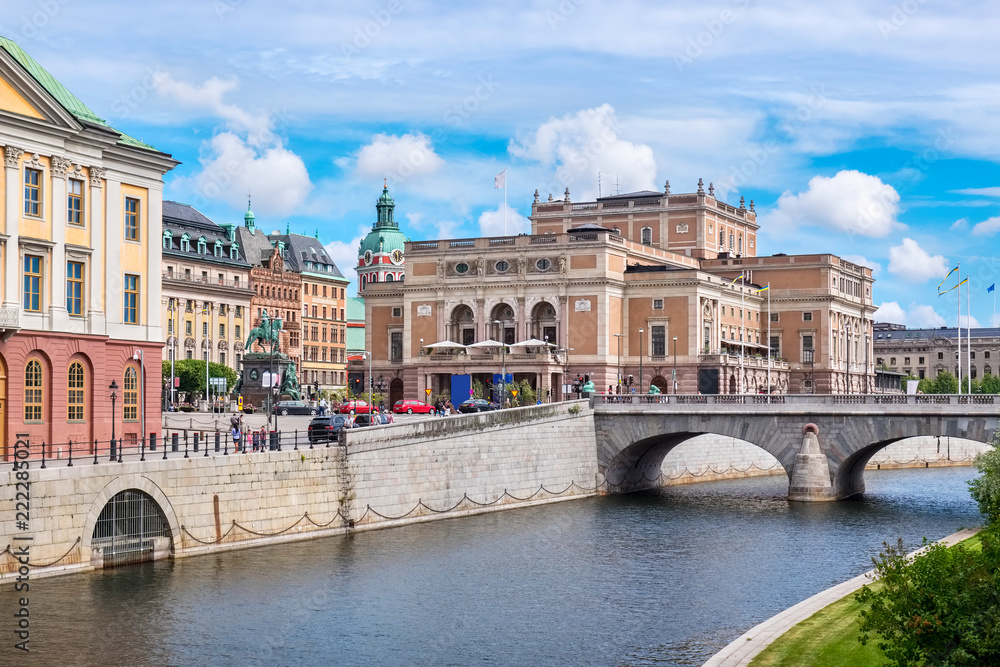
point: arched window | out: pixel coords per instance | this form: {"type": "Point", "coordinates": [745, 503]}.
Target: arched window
{"type": "Point", "coordinates": [130, 395]}
{"type": "Point", "coordinates": [185, 242]}
{"type": "Point", "coordinates": [234, 251]}
{"type": "Point", "coordinates": [218, 248]}
{"type": "Point", "coordinates": [33, 384]}
{"type": "Point", "coordinates": [722, 238]}
{"type": "Point", "coordinates": [202, 246]}
{"type": "Point", "coordinates": [739, 246]}
{"type": "Point", "coordinates": [75, 396]}
{"type": "Point", "coordinates": [731, 240]}
{"type": "Point", "coordinates": [647, 236]}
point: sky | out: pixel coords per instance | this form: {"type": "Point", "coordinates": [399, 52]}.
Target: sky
{"type": "Point", "coordinates": [865, 129]}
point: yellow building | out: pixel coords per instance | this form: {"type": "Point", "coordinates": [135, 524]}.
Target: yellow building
{"type": "Point", "coordinates": [80, 235]}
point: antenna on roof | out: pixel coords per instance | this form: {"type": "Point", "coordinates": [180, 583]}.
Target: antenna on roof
{"type": "Point", "coordinates": [598, 183]}
{"type": "Point", "coordinates": [618, 189]}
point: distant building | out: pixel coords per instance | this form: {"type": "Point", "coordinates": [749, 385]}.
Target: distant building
{"type": "Point", "coordinates": [206, 288]}
{"type": "Point", "coordinates": [81, 267]}
{"type": "Point", "coordinates": [628, 287]}
{"type": "Point", "coordinates": [324, 327]}
{"type": "Point", "coordinates": [924, 353]}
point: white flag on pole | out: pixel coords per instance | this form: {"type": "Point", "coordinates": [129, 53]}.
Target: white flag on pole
{"type": "Point", "coordinates": [500, 181]}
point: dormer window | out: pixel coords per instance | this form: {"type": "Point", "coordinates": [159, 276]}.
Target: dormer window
{"type": "Point", "coordinates": [167, 239]}
{"type": "Point", "coordinates": [218, 248]}
{"type": "Point", "coordinates": [185, 243]}
{"type": "Point", "coordinates": [202, 246]}
{"type": "Point", "coordinates": [234, 251]}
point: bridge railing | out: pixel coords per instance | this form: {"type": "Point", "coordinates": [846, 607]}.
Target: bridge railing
{"type": "Point", "coordinates": [795, 399]}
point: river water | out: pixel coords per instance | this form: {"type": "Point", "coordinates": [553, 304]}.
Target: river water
{"type": "Point", "coordinates": [655, 578]}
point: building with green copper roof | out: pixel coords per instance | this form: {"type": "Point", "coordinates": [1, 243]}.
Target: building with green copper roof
{"type": "Point", "coordinates": [380, 255]}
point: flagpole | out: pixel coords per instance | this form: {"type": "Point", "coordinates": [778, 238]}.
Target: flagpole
{"type": "Point", "coordinates": [742, 333]}
{"type": "Point", "coordinates": [768, 341]}
{"type": "Point", "coordinates": [968, 329]}
{"type": "Point", "coordinates": [505, 202]}
{"type": "Point", "coordinates": [958, 324]}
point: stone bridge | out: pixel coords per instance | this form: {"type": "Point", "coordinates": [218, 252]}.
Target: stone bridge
{"type": "Point", "coordinates": [822, 441]}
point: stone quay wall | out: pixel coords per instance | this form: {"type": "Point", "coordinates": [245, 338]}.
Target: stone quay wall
{"type": "Point", "coordinates": [383, 476]}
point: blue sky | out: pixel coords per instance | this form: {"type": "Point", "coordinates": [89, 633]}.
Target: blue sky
{"type": "Point", "coordinates": [865, 129]}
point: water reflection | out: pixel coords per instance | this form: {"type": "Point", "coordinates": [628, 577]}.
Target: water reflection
{"type": "Point", "coordinates": [664, 578]}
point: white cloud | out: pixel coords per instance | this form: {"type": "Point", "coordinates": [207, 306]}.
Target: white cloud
{"type": "Point", "coordinates": [398, 157]}
{"type": "Point", "coordinates": [966, 321]}
{"type": "Point", "coordinates": [959, 225]}
{"type": "Point", "coordinates": [209, 96]}
{"type": "Point", "coordinates": [986, 192]}
{"type": "Point", "coordinates": [908, 260]}
{"type": "Point", "coordinates": [987, 227]}
{"type": "Point", "coordinates": [850, 201]}
{"type": "Point", "coordinates": [582, 144]}
{"type": "Point", "coordinates": [491, 223]}
{"type": "Point", "coordinates": [890, 312]}
{"type": "Point", "coordinates": [345, 255]}
{"type": "Point", "coordinates": [918, 316]}
{"type": "Point", "coordinates": [231, 167]}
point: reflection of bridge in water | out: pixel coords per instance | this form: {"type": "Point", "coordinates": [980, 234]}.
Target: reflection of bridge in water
{"type": "Point", "coordinates": [823, 442]}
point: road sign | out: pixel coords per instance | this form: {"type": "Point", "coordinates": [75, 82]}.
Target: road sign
{"type": "Point", "coordinates": [428, 392]}
{"type": "Point", "coordinates": [513, 392]}
{"type": "Point", "coordinates": [239, 402]}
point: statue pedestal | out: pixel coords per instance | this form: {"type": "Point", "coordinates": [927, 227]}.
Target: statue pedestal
{"type": "Point", "coordinates": [257, 368]}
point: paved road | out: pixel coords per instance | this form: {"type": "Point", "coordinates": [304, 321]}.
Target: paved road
{"type": "Point", "coordinates": [220, 422]}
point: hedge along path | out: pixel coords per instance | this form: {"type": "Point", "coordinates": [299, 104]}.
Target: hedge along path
{"type": "Point", "coordinates": [743, 650]}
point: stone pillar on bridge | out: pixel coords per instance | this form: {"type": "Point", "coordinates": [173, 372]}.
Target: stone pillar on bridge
{"type": "Point", "coordinates": [810, 480]}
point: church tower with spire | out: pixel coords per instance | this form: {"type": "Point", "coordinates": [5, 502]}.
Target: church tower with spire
{"type": "Point", "coordinates": [380, 255]}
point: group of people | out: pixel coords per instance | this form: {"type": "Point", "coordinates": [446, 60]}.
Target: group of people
{"type": "Point", "coordinates": [443, 408]}
{"type": "Point", "coordinates": [246, 440]}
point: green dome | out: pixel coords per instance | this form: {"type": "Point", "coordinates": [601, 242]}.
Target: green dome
{"type": "Point", "coordinates": [385, 235]}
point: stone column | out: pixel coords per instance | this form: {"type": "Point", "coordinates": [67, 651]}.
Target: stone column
{"type": "Point", "coordinates": [57, 309]}
{"type": "Point", "coordinates": [12, 210]}
{"type": "Point", "coordinates": [96, 222]}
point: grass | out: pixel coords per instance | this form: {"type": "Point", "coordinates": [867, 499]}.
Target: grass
{"type": "Point", "coordinates": [828, 637]}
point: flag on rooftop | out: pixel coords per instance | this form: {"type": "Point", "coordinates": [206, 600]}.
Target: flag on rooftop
{"type": "Point", "coordinates": [990, 288]}
{"type": "Point", "coordinates": [946, 278]}
{"type": "Point", "coordinates": [766, 287]}
{"type": "Point", "coordinates": [500, 181]}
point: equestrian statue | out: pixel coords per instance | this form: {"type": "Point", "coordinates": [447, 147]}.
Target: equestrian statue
{"type": "Point", "coordinates": [268, 333]}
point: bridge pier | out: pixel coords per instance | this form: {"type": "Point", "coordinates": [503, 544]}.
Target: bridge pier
{"type": "Point", "coordinates": [810, 478]}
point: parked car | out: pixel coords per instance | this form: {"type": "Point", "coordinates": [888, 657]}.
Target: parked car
{"type": "Point", "coordinates": [411, 407]}
{"type": "Point", "coordinates": [355, 407]}
{"type": "Point", "coordinates": [326, 428]}
{"type": "Point", "coordinates": [293, 408]}
{"type": "Point", "coordinates": [477, 405]}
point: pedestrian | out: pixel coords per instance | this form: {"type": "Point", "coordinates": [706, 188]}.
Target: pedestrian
{"type": "Point", "coordinates": [322, 406]}
{"type": "Point", "coordinates": [236, 438]}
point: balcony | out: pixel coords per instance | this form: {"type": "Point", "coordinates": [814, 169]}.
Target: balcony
{"type": "Point", "coordinates": [184, 279]}
{"type": "Point", "coordinates": [10, 321]}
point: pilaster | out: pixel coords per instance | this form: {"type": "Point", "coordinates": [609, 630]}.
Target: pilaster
{"type": "Point", "coordinates": [12, 172]}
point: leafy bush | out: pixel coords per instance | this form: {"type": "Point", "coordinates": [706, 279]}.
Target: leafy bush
{"type": "Point", "coordinates": [985, 489]}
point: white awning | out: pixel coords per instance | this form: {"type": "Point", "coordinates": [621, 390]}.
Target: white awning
{"type": "Point", "coordinates": [532, 342]}
{"type": "Point", "coordinates": [445, 345]}
{"type": "Point", "coordinates": [487, 343]}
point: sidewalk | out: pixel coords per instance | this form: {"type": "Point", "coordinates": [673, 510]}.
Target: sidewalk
{"type": "Point", "coordinates": [741, 651]}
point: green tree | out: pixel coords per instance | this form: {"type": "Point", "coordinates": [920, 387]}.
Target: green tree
{"type": "Point", "coordinates": [944, 383]}
{"type": "Point", "coordinates": [192, 375]}
{"type": "Point", "coordinates": [902, 381]}
{"type": "Point", "coordinates": [990, 384]}
{"type": "Point", "coordinates": [985, 489]}
{"type": "Point", "coordinates": [940, 608]}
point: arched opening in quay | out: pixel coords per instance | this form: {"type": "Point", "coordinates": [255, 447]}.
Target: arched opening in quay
{"type": "Point", "coordinates": [131, 528]}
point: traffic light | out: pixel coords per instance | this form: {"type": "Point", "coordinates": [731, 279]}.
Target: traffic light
{"type": "Point", "coordinates": [630, 380]}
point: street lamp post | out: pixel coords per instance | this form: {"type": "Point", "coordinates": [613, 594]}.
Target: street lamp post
{"type": "Point", "coordinates": [674, 378]}
{"type": "Point", "coordinates": [640, 361]}
{"type": "Point", "coordinates": [848, 341]}
{"type": "Point", "coordinates": [173, 351]}
{"type": "Point", "coordinates": [503, 360]}
{"type": "Point", "coordinates": [619, 385]}
{"type": "Point", "coordinates": [114, 395]}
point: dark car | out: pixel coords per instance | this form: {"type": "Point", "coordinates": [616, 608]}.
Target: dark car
{"type": "Point", "coordinates": [326, 428]}
{"type": "Point", "coordinates": [293, 408]}
{"type": "Point", "coordinates": [477, 405]}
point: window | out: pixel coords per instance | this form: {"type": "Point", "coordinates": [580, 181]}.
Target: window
{"type": "Point", "coordinates": [202, 247]}
{"type": "Point", "coordinates": [33, 283]}
{"type": "Point", "coordinates": [204, 329]}
{"type": "Point", "coordinates": [33, 193]}
{"type": "Point", "coordinates": [324, 312]}
{"type": "Point", "coordinates": [222, 358]}
{"type": "Point", "coordinates": [75, 395]}
{"type": "Point", "coordinates": [131, 300]}
{"type": "Point", "coordinates": [315, 309]}
{"type": "Point", "coordinates": [315, 289]}
{"type": "Point", "coordinates": [906, 361]}
{"type": "Point", "coordinates": [461, 268]}
{"type": "Point", "coordinates": [222, 331]}
{"type": "Point", "coordinates": [236, 331]}
{"type": "Point", "coordinates": [657, 304]}
{"type": "Point", "coordinates": [774, 317]}
{"type": "Point", "coordinates": [189, 354]}
{"type": "Point", "coordinates": [130, 395]}
{"type": "Point", "coordinates": [131, 219]}
{"type": "Point", "coordinates": [972, 355]}
{"type": "Point", "coordinates": [807, 317]}
{"type": "Point", "coordinates": [218, 248]}
{"type": "Point", "coordinates": [775, 346]}
{"type": "Point", "coordinates": [74, 202]}
{"type": "Point", "coordinates": [940, 355]}
{"type": "Point", "coordinates": [397, 311]}
{"type": "Point", "coordinates": [658, 340]}
{"type": "Point", "coordinates": [186, 247]}
{"type": "Point", "coordinates": [324, 293]}
{"type": "Point", "coordinates": [647, 235]}
{"type": "Point", "coordinates": [324, 333]}
{"type": "Point", "coordinates": [892, 361]}
{"type": "Point", "coordinates": [33, 391]}
{"type": "Point", "coordinates": [732, 238]}
{"type": "Point", "coordinates": [74, 288]}
{"type": "Point", "coordinates": [722, 238]}
{"type": "Point", "coordinates": [502, 266]}
{"type": "Point", "coordinates": [396, 345]}
{"type": "Point", "coordinates": [168, 244]}
{"type": "Point", "coordinates": [170, 325]}
{"type": "Point", "coordinates": [544, 264]}
{"type": "Point", "coordinates": [986, 354]}
{"type": "Point", "coordinates": [187, 327]}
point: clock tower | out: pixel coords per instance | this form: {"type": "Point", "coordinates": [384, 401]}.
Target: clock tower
{"type": "Point", "coordinates": [380, 255]}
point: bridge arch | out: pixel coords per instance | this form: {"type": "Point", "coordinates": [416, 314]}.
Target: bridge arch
{"type": "Point", "coordinates": [137, 489]}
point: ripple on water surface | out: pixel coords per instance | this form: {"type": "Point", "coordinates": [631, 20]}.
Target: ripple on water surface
{"type": "Point", "coordinates": [665, 577]}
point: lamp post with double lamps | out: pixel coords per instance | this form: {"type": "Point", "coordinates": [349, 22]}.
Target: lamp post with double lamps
{"type": "Point", "coordinates": [675, 365]}
{"type": "Point", "coordinates": [503, 360]}
{"type": "Point", "coordinates": [640, 360]}
{"type": "Point", "coordinates": [114, 396]}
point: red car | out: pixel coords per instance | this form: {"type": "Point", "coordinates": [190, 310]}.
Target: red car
{"type": "Point", "coordinates": [355, 406]}
{"type": "Point", "coordinates": [411, 407]}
